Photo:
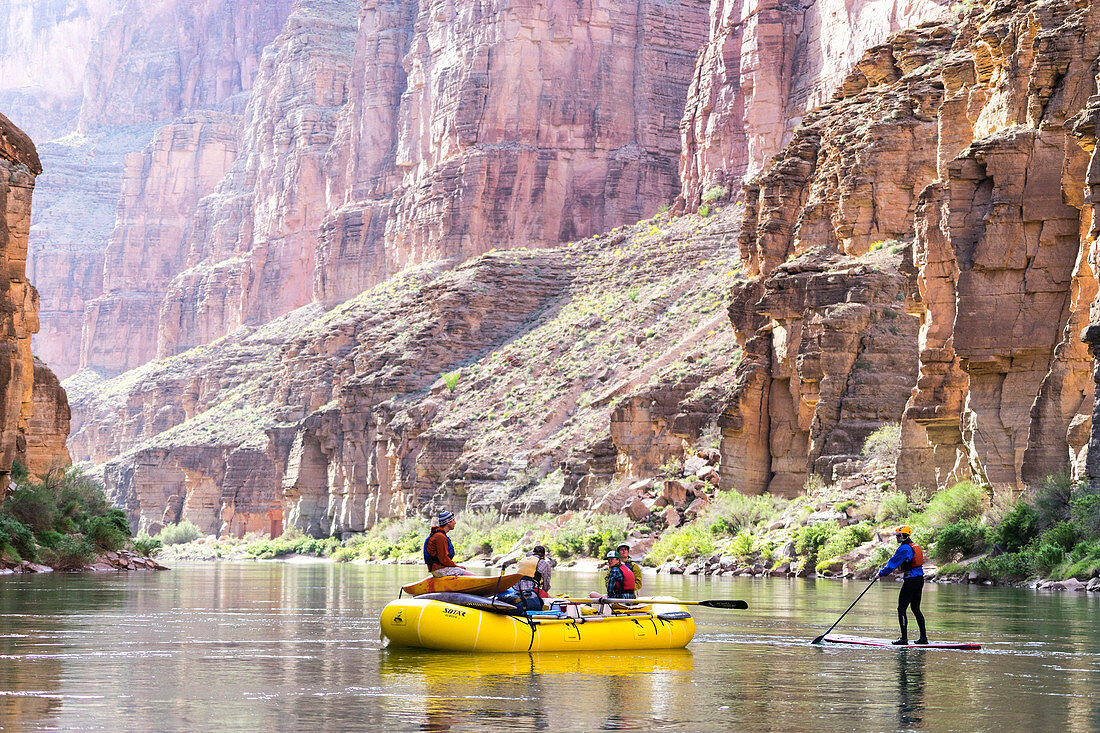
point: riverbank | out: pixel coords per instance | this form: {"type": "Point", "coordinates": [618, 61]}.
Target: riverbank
{"type": "Point", "coordinates": [62, 521]}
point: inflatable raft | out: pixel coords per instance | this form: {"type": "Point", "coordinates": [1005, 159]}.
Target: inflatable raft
{"type": "Point", "coordinates": [475, 626]}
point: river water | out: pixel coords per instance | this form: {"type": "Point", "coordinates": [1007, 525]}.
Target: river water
{"type": "Point", "coordinates": [285, 646]}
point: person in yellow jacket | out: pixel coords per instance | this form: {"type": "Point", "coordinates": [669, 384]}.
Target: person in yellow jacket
{"type": "Point", "coordinates": [623, 551]}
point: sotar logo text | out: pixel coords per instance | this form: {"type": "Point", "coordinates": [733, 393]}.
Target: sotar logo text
{"type": "Point", "coordinates": [454, 612]}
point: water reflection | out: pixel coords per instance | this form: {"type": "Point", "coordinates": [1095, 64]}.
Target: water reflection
{"type": "Point", "coordinates": [910, 667]}
{"type": "Point", "coordinates": [538, 691]}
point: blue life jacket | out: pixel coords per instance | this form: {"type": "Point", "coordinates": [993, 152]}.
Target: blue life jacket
{"type": "Point", "coordinates": [430, 560]}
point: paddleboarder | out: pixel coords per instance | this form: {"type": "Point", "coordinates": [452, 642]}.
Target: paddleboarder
{"type": "Point", "coordinates": [910, 559]}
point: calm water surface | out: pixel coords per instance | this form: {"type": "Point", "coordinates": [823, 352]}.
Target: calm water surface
{"type": "Point", "coordinates": [278, 646]}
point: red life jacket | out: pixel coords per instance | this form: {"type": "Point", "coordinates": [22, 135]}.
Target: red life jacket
{"type": "Point", "coordinates": [628, 576]}
{"type": "Point", "coordinates": [918, 558]}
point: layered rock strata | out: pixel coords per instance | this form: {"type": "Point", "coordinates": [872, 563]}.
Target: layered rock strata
{"type": "Point", "coordinates": [765, 65]}
{"type": "Point", "coordinates": [969, 141]}
{"type": "Point", "coordinates": [329, 420]}
{"type": "Point", "coordinates": [33, 410]}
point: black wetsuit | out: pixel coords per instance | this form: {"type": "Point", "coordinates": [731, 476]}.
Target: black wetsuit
{"type": "Point", "coordinates": [911, 588]}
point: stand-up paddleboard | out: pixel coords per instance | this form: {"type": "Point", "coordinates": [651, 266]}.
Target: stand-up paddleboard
{"type": "Point", "coordinates": [477, 585]}
{"type": "Point", "coordinates": [872, 641]}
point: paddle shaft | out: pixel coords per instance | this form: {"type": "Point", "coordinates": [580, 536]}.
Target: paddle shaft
{"type": "Point", "coordinates": [722, 603]}
{"type": "Point", "coordinates": [818, 639]}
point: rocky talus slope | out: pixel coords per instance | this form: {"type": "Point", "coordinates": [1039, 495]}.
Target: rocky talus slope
{"type": "Point", "coordinates": [968, 145]}
{"type": "Point", "coordinates": [34, 413]}
{"type": "Point", "coordinates": [571, 368]}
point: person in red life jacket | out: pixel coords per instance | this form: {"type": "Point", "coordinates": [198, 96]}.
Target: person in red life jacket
{"type": "Point", "coordinates": [620, 578]}
{"type": "Point", "coordinates": [910, 559]}
{"type": "Point", "coordinates": [623, 551]}
{"type": "Point", "coordinates": [439, 552]}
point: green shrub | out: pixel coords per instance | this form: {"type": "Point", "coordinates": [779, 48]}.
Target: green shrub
{"type": "Point", "coordinates": [893, 506]}
{"type": "Point", "coordinates": [1085, 514]}
{"type": "Point", "coordinates": [1063, 534]}
{"type": "Point", "coordinates": [146, 546]}
{"type": "Point", "coordinates": [878, 557]}
{"type": "Point", "coordinates": [966, 538]}
{"type": "Point", "coordinates": [691, 541]}
{"type": "Point", "coordinates": [179, 533]}
{"type": "Point", "coordinates": [844, 541]}
{"type": "Point", "coordinates": [1016, 530]}
{"type": "Point", "coordinates": [704, 211]}
{"type": "Point", "coordinates": [732, 511]}
{"type": "Point", "coordinates": [105, 534]}
{"type": "Point", "coordinates": [345, 554]}
{"type": "Point", "coordinates": [884, 444]}
{"type": "Point", "coordinates": [1010, 565]}
{"type": "Point", "coordinates": [70, 553]}
{"type": "Point", "coordinates": [809, 540]}
{"type": "Point", "coordinates": [1045, 557]}
{"type": "Point", "coordinates": [715, 193]}
{"type": "Point", "coordinates": [18, 537]}
{"type": "Point", "coordinates": [49, 538]}
{"type": "Point", "coordinates": [34, 505]}
{"type": "Point", "coordinates": [1053, 499]}
{"type": "Point", "coordinates": [742, 544]}
{"type": "Point", "coordinates": [962, 501]}
{"type": "Point", "coordinates": [450, 379]}
{"type": "Point", "coordinates": [292, 542]}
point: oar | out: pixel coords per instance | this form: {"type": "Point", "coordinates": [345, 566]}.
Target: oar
{"type": "Point", "coordinates": [719, 603]}
{"type": "Point", "coordinates": [818, 639]}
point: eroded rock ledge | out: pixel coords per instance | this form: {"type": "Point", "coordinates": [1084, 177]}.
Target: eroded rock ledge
{"type": "Point", "coordinates": [967, 148]}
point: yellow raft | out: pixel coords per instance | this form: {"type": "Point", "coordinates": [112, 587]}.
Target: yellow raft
{"type": "Point", "coordinates": [433, 624]}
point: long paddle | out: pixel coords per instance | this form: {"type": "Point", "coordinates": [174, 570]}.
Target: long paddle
{"type": "Point", "coordinates": [729, 605]}
{"type": "Point", "coordinates": [818, 639]}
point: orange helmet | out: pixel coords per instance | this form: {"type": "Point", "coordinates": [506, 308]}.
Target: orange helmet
{"type": "Point", "coordinates": [903, 529]}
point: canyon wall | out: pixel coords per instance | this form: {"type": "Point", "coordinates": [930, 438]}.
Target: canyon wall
{"type": "Point", "coordinates": [561, 360]}
{"type": "Point", "coordinates": [965, 145]}
{"type": "Point", "coordinates": [34, 419]}
{"type": "Point", "coordinates": [765, 65]}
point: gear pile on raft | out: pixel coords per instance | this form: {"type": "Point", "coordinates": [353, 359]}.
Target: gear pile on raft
{"type": "Point", "coordinates": [453, 610]}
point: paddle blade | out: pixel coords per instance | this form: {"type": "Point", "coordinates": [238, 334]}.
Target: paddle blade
{"type": "Point", "coordinates": [728, 605]}
{"type": "Point", "coordinates": [818, 639]}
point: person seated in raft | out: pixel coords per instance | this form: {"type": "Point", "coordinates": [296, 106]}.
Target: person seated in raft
{"type": "Point", "coordinates": [439, 552]}
{"type": "Point", "coordinates": [620, 578]}
{"type": "Point", "coordinates": [542, 571]}
{"type": "Point", "coordinates": [623, 551]}
{"type": "Point", "coordinates": [910, 558]}
{"type": "Point", "coordinates": [526, 593]}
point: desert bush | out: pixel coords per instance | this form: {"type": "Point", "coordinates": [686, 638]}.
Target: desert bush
{"type": "Point", "coordinates": [1052, 500]}
{"type": "Point", "coordinates": [1009, 565]}
{"type": "Point", "coordinates": [878, 557]}
{"type": "Point", "coordinates": [16, 538]}
{"type": "Point", "coordinates": [1064, 535]}
{"type": "Point", "coordinates": [884, 444]}
{"type": "Point", "coordinates": [962, 501]}
{"type": "Point", "coordinates": [715, 193]}
{"type": "Point", "coordinates": [844, 541]}
{"type": "Point", "coordinates": [690, 541]}
{"type": "Point", "coordinates": [34, 505]}
{"type": "Point", "coordinates": [450, 379]}
{"type": "Point", "coordinates": [1085, 514]}
{"type": "Point", "coordinates": [109, 533]}
{"type": "Point", "coordinates": [592, 536]}
{"type": "Point", "coordinates": [1045, 556]}
{"type": "Point", "coordinates": [732, 511]}
{"type": "Point", "coordinates": [1016, 530]}
{"type": "Point", "coordinates": [146, 546]}
{"type": "Point", "coordinates": [179, 533]}
{"type": "Point", "coordinates": [809, 540]}
{"type": "Point", "coordinates": [893, 506]}
{"type": "Point", "coordinates": [966, 538]}
{"type": "Point", "coordinates": [743, 544]}
{"type": "Point", "coordinates": [70, 553]}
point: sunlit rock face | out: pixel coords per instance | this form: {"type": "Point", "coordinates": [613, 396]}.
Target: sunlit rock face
{"type": "Point", "coordinates": [767, 63]}
{"type": "Point", "coordinates": [34, 413]}
{"type": "Point", "coordinates": [474, 125]}
{"type": "Point", "coordinates": [966, 147]}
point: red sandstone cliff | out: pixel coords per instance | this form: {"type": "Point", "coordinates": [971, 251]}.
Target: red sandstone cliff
{"type": "Point", "coordinates": [967, 145]}
{"type": "Point", "coordinates": [34, 419]}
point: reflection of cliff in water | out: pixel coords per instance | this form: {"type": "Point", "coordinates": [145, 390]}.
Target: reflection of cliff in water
{"type": "Point", "coordinates": [542, 691]}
